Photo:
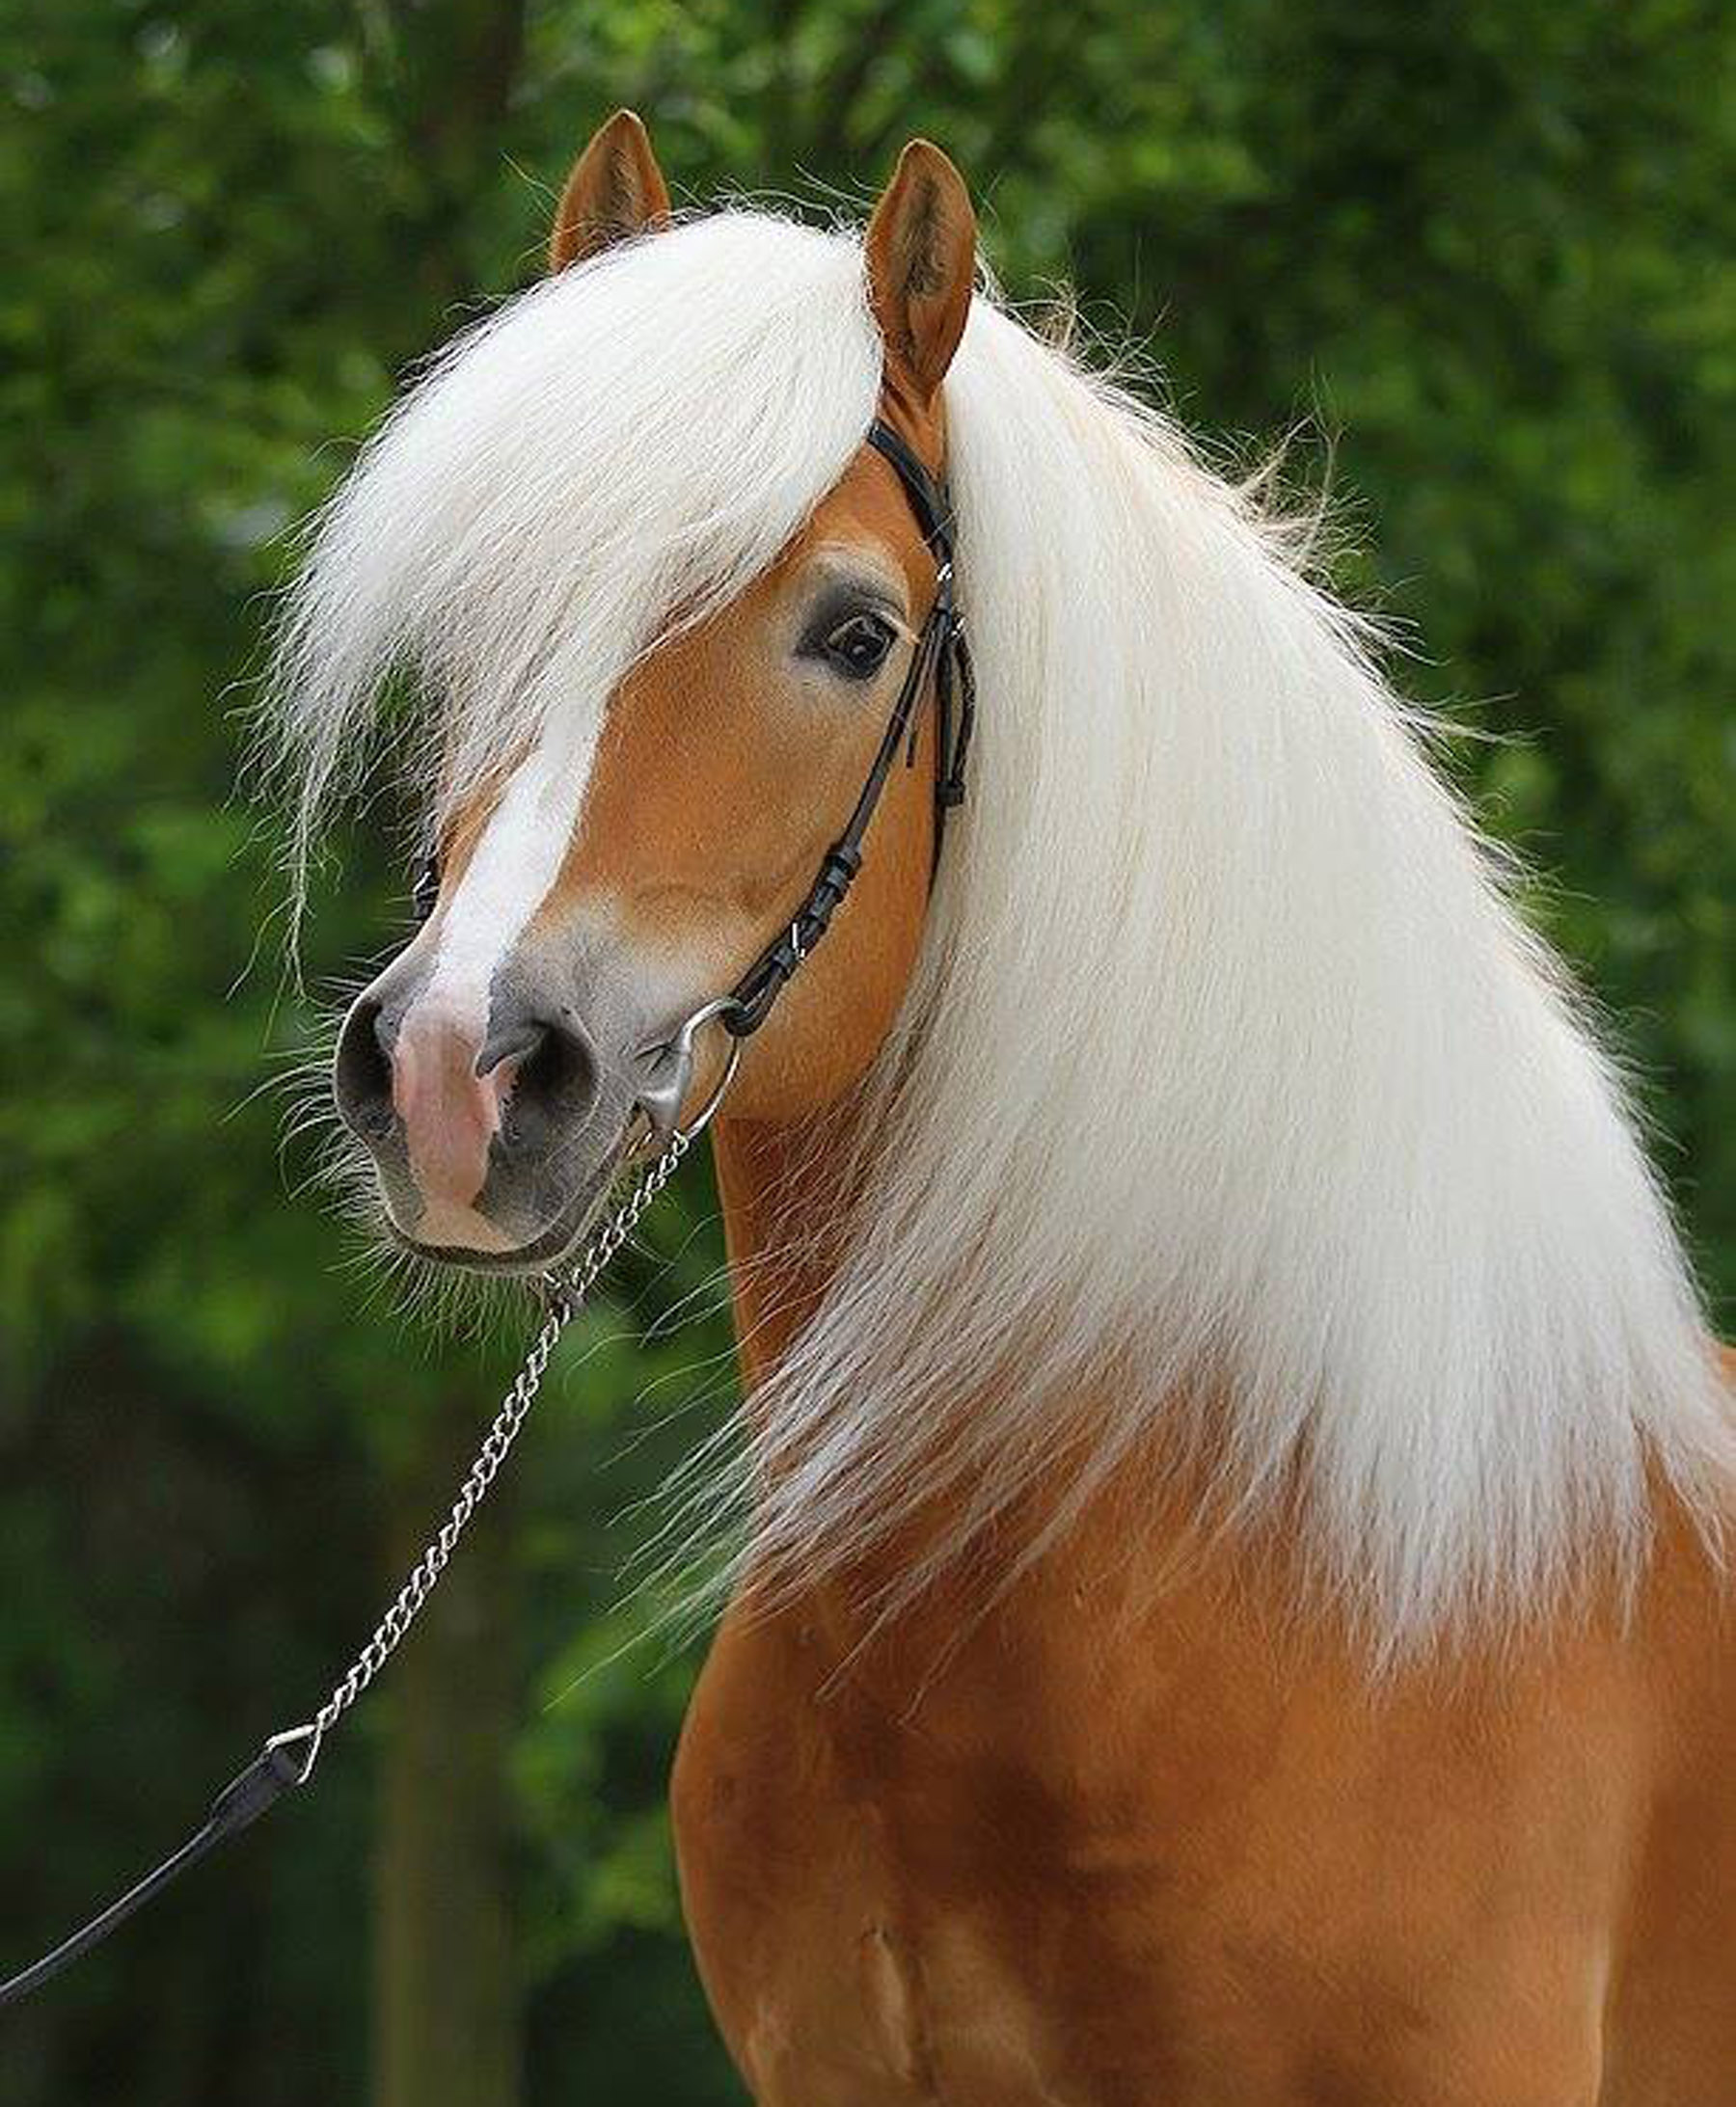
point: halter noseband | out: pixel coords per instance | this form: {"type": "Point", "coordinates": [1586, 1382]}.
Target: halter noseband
{"type": "Point", "coordinates": [940, 653]}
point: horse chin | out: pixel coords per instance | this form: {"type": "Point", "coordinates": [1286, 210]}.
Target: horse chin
{"type": "Point", "coordinates": [540, 1252]}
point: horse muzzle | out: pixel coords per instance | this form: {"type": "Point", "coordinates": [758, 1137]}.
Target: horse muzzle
{"type": "Point", "coordinates": [496, 1138]}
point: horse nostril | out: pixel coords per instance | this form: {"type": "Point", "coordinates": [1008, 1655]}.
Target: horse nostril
{"type": "Point", "coordinates": [555, 1070]}
{"type": "Point", "coordinates": [515, 1042]}
{"type": "Point", "coordinates": [556, 1066]}
{"type": "Point", "coordinates": [362, 1071]}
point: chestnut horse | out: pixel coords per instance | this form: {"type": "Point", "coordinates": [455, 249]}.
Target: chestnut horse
{"type": "Point", "coordinates": [1231, 1610]}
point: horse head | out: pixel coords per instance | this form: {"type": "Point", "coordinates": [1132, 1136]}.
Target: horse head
{"type": "Point", "coordinates": [589, 896]}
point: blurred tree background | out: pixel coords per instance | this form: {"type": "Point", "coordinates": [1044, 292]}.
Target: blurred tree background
{"type": "Point", "coordinates": [1483, 246]}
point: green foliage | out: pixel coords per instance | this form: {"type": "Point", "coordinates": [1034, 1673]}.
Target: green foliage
{"type": "Point", "coordinates": [1484, 249]}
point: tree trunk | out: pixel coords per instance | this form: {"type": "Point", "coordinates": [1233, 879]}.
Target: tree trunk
{"type": "Point", "coordinates": [446, 2017]}
{"type": "Point", "coordinates": [446, 2008]}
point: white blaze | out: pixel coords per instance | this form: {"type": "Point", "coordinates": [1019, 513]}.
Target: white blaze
{"type": "Point", "coordinates": [510, 873]}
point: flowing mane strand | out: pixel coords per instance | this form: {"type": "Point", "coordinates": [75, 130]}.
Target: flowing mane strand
{"type": "Point", "coordinates": [1228, 1074]}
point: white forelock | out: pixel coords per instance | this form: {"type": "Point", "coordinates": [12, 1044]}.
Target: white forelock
{"type": "Point", "coordinates": [1229, 1081]}
{"type": "Point", "coordinates": [634, 438]}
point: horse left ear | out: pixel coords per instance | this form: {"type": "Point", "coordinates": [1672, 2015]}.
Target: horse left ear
{"type": "Point", "coordinates": [616, 191]}
{"type": "Point", "coordinates": [921, 256]}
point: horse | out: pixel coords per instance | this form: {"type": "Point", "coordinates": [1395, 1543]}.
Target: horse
{"type": "Point", "coordinates": [1230, 1605]}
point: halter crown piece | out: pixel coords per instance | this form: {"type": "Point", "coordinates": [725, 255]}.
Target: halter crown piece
{"type": "Point", "coordinates": [940, 657]}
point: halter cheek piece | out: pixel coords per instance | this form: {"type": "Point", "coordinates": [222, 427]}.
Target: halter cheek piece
{"type": "Point", "coordinates": [288, 1759]}
{"type": "Point", "coordinates": [941, 654]}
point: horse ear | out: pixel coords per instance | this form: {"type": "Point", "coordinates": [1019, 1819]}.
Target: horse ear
{"type": "Point", "coordinates": [616, 190]}
{"type": "Point", "coordinates": [921, 256]}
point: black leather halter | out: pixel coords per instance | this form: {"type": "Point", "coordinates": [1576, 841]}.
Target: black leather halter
{"type": "Point", "coordinates": [942, 657]}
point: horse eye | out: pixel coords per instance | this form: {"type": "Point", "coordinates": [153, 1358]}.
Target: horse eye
{"type": "Point", "coordinates": [424, 893]}
{"type": "Point", "coordinates": [859, 648]}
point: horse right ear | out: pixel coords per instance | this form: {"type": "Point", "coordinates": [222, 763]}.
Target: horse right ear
{"type": "Point", "coordinates": [616, 191]}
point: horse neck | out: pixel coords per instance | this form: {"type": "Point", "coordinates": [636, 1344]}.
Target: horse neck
{"type": "Point", "coordinates": [1148, 1543]}
{"type": "Point", "coordinates": [778, 1186]}
{"type": "Point", "coordinates": [776, 1183]}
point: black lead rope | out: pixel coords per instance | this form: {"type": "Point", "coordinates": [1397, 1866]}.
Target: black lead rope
{"type": "Point", "coordinates": [940, 656]}
{"type": "Point", "coordinates": [273, 1773]}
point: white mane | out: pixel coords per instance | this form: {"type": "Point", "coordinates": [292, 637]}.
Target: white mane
{"type": "Point", "coordinates": [1228, 1074]}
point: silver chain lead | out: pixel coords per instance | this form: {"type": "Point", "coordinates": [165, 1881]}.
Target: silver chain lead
{"type": "Point", "coordinates": [567, 1291]}
{"type": "Point", "coordinates": [288, 1759]}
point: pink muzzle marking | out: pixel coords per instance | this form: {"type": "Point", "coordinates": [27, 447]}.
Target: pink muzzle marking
{"type": "Point", "coordinates": [451, 1114]}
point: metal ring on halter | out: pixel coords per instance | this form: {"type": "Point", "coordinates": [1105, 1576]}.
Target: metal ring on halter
{"type": "Point", "coordinates": [732, 1061]}
{"type": "Point", "coordinates": [677, 1052]}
